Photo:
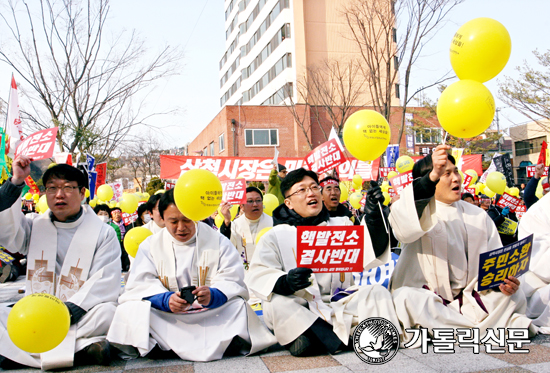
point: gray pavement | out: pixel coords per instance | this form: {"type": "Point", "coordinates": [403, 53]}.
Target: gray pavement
{"type": "Point", "coordinates": [280, 360]}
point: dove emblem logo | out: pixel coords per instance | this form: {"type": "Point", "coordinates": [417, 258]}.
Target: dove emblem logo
{"type": "Point", "coordinates": [375, 340]}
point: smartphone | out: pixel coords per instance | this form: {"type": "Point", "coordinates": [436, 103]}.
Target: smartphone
{"type": "Point", "coordinates": [186, 294]}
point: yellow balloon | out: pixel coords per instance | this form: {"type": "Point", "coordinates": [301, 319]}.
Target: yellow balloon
{"type": "Point", "coordinates": [404, 164]}
{"type": "Point", "coordinates": [105, 192]}
{"type": "Point", "coordinates": [461, 176]}
{"type": "Point", "coordinates": [39, 322]}
{"type": "Point", "coordinates": [385, 186]}
{"type": "Point", "coordinates": [476, 189]}
{"type": "Point", "coordinates": [198, 193]}
{"type": "Point", "coordinates": [219, 220]}
{"type": "Point", "coordinates": [514, 191]}
{"type": "Point", "coordinates": [111, 204]}
{"type": "Point", "coordinates": [129, 203]}
{"type": "Point", "coordinates": [466, 109]}
{"type": "Point", "coordinates": [481, 188]}
{"type": "Point", "coordinates": [133, 238]}
{"type": "Point", "coordinates": [146, 196]}
{"type": "Point", "coordinates": [93, 203]}
{"type": "Point", "coordinates": [261, 233]}
{"type": "Point", "coordinates": [355, 200]}
{"type": "Point", "coordinates": [539, 191]}
{"type": "Point", "coordinates": [36, 196]}
{"type": "Point", "coordinates": [357, 180]}
{"type": "Point", "coordinates": [344, 193]}
{"type": "Point", "coordinates": [366, 134]}
{"type": "Point", "coordinates": [480, 49]}
{"type": "Point", "coordinates": [87, 193]}
{"type": "Point", "coordinates": [473, 174]}
{"type": "Point", "coordinates": [159, 191]}
{"type": "Point", "coordinates": [488, 192]}
{"type": "Point", "coordinates": [28, 196]}
{"type": "Point", "coordinates": [234, 209]}
{"type": "Point", "coordinates": [392, 174]}
{"type": "Point", "coordinates": [387, 198]}
{"type": "Point", "coordinates": [271, 202]}
{"type": "Point", "coordinates": [507, 190]}
{"type": "Point", "coordinates": [42, 203]}
{"type": "Point", "coordinates": [496, 182]}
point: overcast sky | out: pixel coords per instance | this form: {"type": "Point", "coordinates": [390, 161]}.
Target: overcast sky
{"type": "Point", "coordinates": [198, 27]}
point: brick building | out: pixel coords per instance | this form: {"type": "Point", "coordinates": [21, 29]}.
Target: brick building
{"type": "Point", "coordinates": [254, 131]}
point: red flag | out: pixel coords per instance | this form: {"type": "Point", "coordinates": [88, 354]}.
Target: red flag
{"type": "Point", "coordinates": [33, 188]}
{"type": "Point", "coordinates": [542, 155]}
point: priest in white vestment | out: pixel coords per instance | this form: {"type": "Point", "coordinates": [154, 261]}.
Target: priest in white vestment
{"type": "Point", "coordinates": [156, 224]}
{"type": "Point", "coordinates": [243, 231]}
{"type": "Point", "coordinates": [434, 284]}
{"type": "Point", "coordinates": [70, 254]}
{"type": "Point", "coordinates": [536, 283]}
{"type": "Point", "coordinates": [298, 307]}
{"type": "Point", "coordinates": [152, 311]}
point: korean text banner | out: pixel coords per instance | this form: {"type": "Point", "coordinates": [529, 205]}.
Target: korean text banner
{"type": "Point", "coordinates": [255, 169]}
{"type": "Point", "coordinates": [39, 145]}
{"type": "Point", "coordinates": [498, 264]}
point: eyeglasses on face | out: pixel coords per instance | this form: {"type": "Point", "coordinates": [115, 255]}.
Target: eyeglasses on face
{"type": "Point", "coordinates": [256, 201]}
{"type": "Point", "coordinates": [67, 189]}
{"type": "Point", "coordinates": [303, 191]}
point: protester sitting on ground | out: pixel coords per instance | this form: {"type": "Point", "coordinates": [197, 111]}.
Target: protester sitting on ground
{"type": "Point", "coordinates": [434, 284]}
{"type": "Point", "coordinates": [104, 212]}
{"type": "Point", "coordinates": [529, 193]}
{"type": "Point", "coordinates": [199, 323]}
{"type": "Point", "coordinates": [275, 177]}
{"type": "Point", "coordinates": [297, 306]}
{"type": "Point", "coordinates": [156, 224]}
{"type": "Point", "coordinates": [68, 242]}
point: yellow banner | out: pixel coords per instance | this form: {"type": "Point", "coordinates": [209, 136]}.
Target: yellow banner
{"type": "Point", "coordinates": [508, 227]}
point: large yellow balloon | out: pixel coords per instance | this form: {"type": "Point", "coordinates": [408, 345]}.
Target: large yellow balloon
{"type": "Point", "coordinates": [496, 182]}
{"type": "Point", "coordinates": [261, 233]}
{"type": "Point", "coordinates": [271, 202]}
{"type": "Point", "coordinates": [404, 164]}
{"type": "Point", "coordinates": [385, 186]}
{"type": "Point", "coordinates": [344, 193]}
{"type": "Point", "coordinates": [129, 203]}
{"type": "Point", "coordinates": [480, 49]}
{"type": "Point", "coordinates": [39, 322]}
{"type": "Point", "coordinates": [366, 134]}
{"type": "Point", "coordinates": [105, 192]}
{"type": "Point", "coordinates": [28, 196]}
{"type": "Point", "coordinates": [473, 174]}
{"type": "Point", "coordinates": [42, 203]}
{"type": "Point", "coordinates": [357, 180]}
{"type": "Point", "coordinates": [198, 193]}
{"type": "Point", "coordinates": [392, 174]}
{"type": "Point", "coordinates": [219, 220]}
{"type": "Point", "coordinates": [36, 197]}
{"type": "Point", "coordinates": [355, 200]}
{"type": "Point", "coordinates": [466, 109]}
{"type": "Point", "coordinates": [87, 193]}
{"type": "Point", "coordinates": [133, 238]}
{"type": "Point", "coordinates": [488, 192]}
{"type": "Point", "coordinates": [514, 191]}
{"type": "Point", "coordinates": [93, 203]}
{"type": "Point", "coordinates": [387, 198]}
{"type": "Point", "coordinates": [160, 191]}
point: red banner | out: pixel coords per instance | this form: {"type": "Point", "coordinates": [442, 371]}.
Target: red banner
{"type": "Point", "coordinates": [330, 249]}
{"type": "Point", "coordinates": [234, 191]}
{"type": "Point", "coordinates": [472, 191]}
{"type": "Point", "coordinates": [384, 171]}
{"type": "Point", "coordinates": [101, 170]}
{"type": "Point", "coordinates": [255, 169]}
{"type": "Point", "coordinates": [531, 171]}
{"type": "Point", "coordinates": [129, 218]}
{"type": "Point", "coordinates": [466, 181]}
{"type": "Point", "coordinates": [168, 185]}
{"type": "Point", "coordinates": [542, 155]}
{"type": "Point", "coordinates": [325, 157]}
{"type": "Point", "coordinates": [400, 181]}
{"type": "Point", "coordinates": [32, 185]}
{"type": "Point", "coordinates": [520, 210]}
{"type": "Point", "coordinates": [39, 145]}
{"type": "Point", "coordinates": [508, 201]}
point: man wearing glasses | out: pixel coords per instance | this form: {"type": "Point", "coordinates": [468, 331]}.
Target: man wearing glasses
{"type": "Point", "coordinates": [298, 307]}
{"type": "Point", "coordinates": [70, 254]}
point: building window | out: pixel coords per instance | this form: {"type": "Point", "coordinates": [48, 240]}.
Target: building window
{"type": "Point", "coordinates": [212, 148]}
{"type": "Point", "coordinates": [395, 62]}
{"type": "Point", "coordinates": [263, 137]}
{"type": "Point", "coordinates": [397, 91]}
{"type": "Point", "coordinates": [428, 136]}
{"type": "Point", "coordinates": [221, 143]}
{"type": "Point", "coordinates": [530, 146]}
{"type": "Point", "coordinates": [205, 151]}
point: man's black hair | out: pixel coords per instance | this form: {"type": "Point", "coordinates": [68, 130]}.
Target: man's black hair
{"type": "Point", "coordinates": [254, 189]}
{"type": "Point", "coordinates": [152, 202]}
{"type": "Point", "coordinates": [65, 172]}
{"type": "Point", "coordinates": [141, 209]}
{"type": "Point", "coordinates": [99, 208]}
{"type": "Point", "coordinates": [280, 167]}
{"type": "Point", "coordinates": [166, 199]}
{"type": "Point", "coordinates": [330, 178]}
{"type": "Point", "coordinates": [468, 195]}
{"type": "Point", "coordinates": [294, 177]}
{"type": "Point", "coordinates": [425, 165]}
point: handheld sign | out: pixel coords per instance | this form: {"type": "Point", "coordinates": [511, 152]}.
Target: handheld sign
{"type": "Point", "coordinates": [39, 145]}
{"type": "Point", "coordinates": [400, 181]}
{"type": "Point", "coordinates": [509, 201]}
{"type": "Point", "coordinates": [325, 157]}
{"type": "Point", "coordinates": [234, 191]}
{"type": "Point", "coordinates": [498, 264]}
{"type": "Point", "coordinates": [330, 248]}
{"type": "Point", "coordinates": [508, 227]}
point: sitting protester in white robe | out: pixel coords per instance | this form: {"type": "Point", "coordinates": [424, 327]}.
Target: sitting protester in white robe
{"type": "Point", "coordinates": [243, 231]}
{"type": "Point", "coordinates": [304, 315]}
{"type": "Point", "coordinates": [536, 283]}
{"type": "Point", "coordinates": [434, 284]}
{"type": "Point", "coordinates": [151, 311]}
{"type": "Point", "coordinates": [70, 254]}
